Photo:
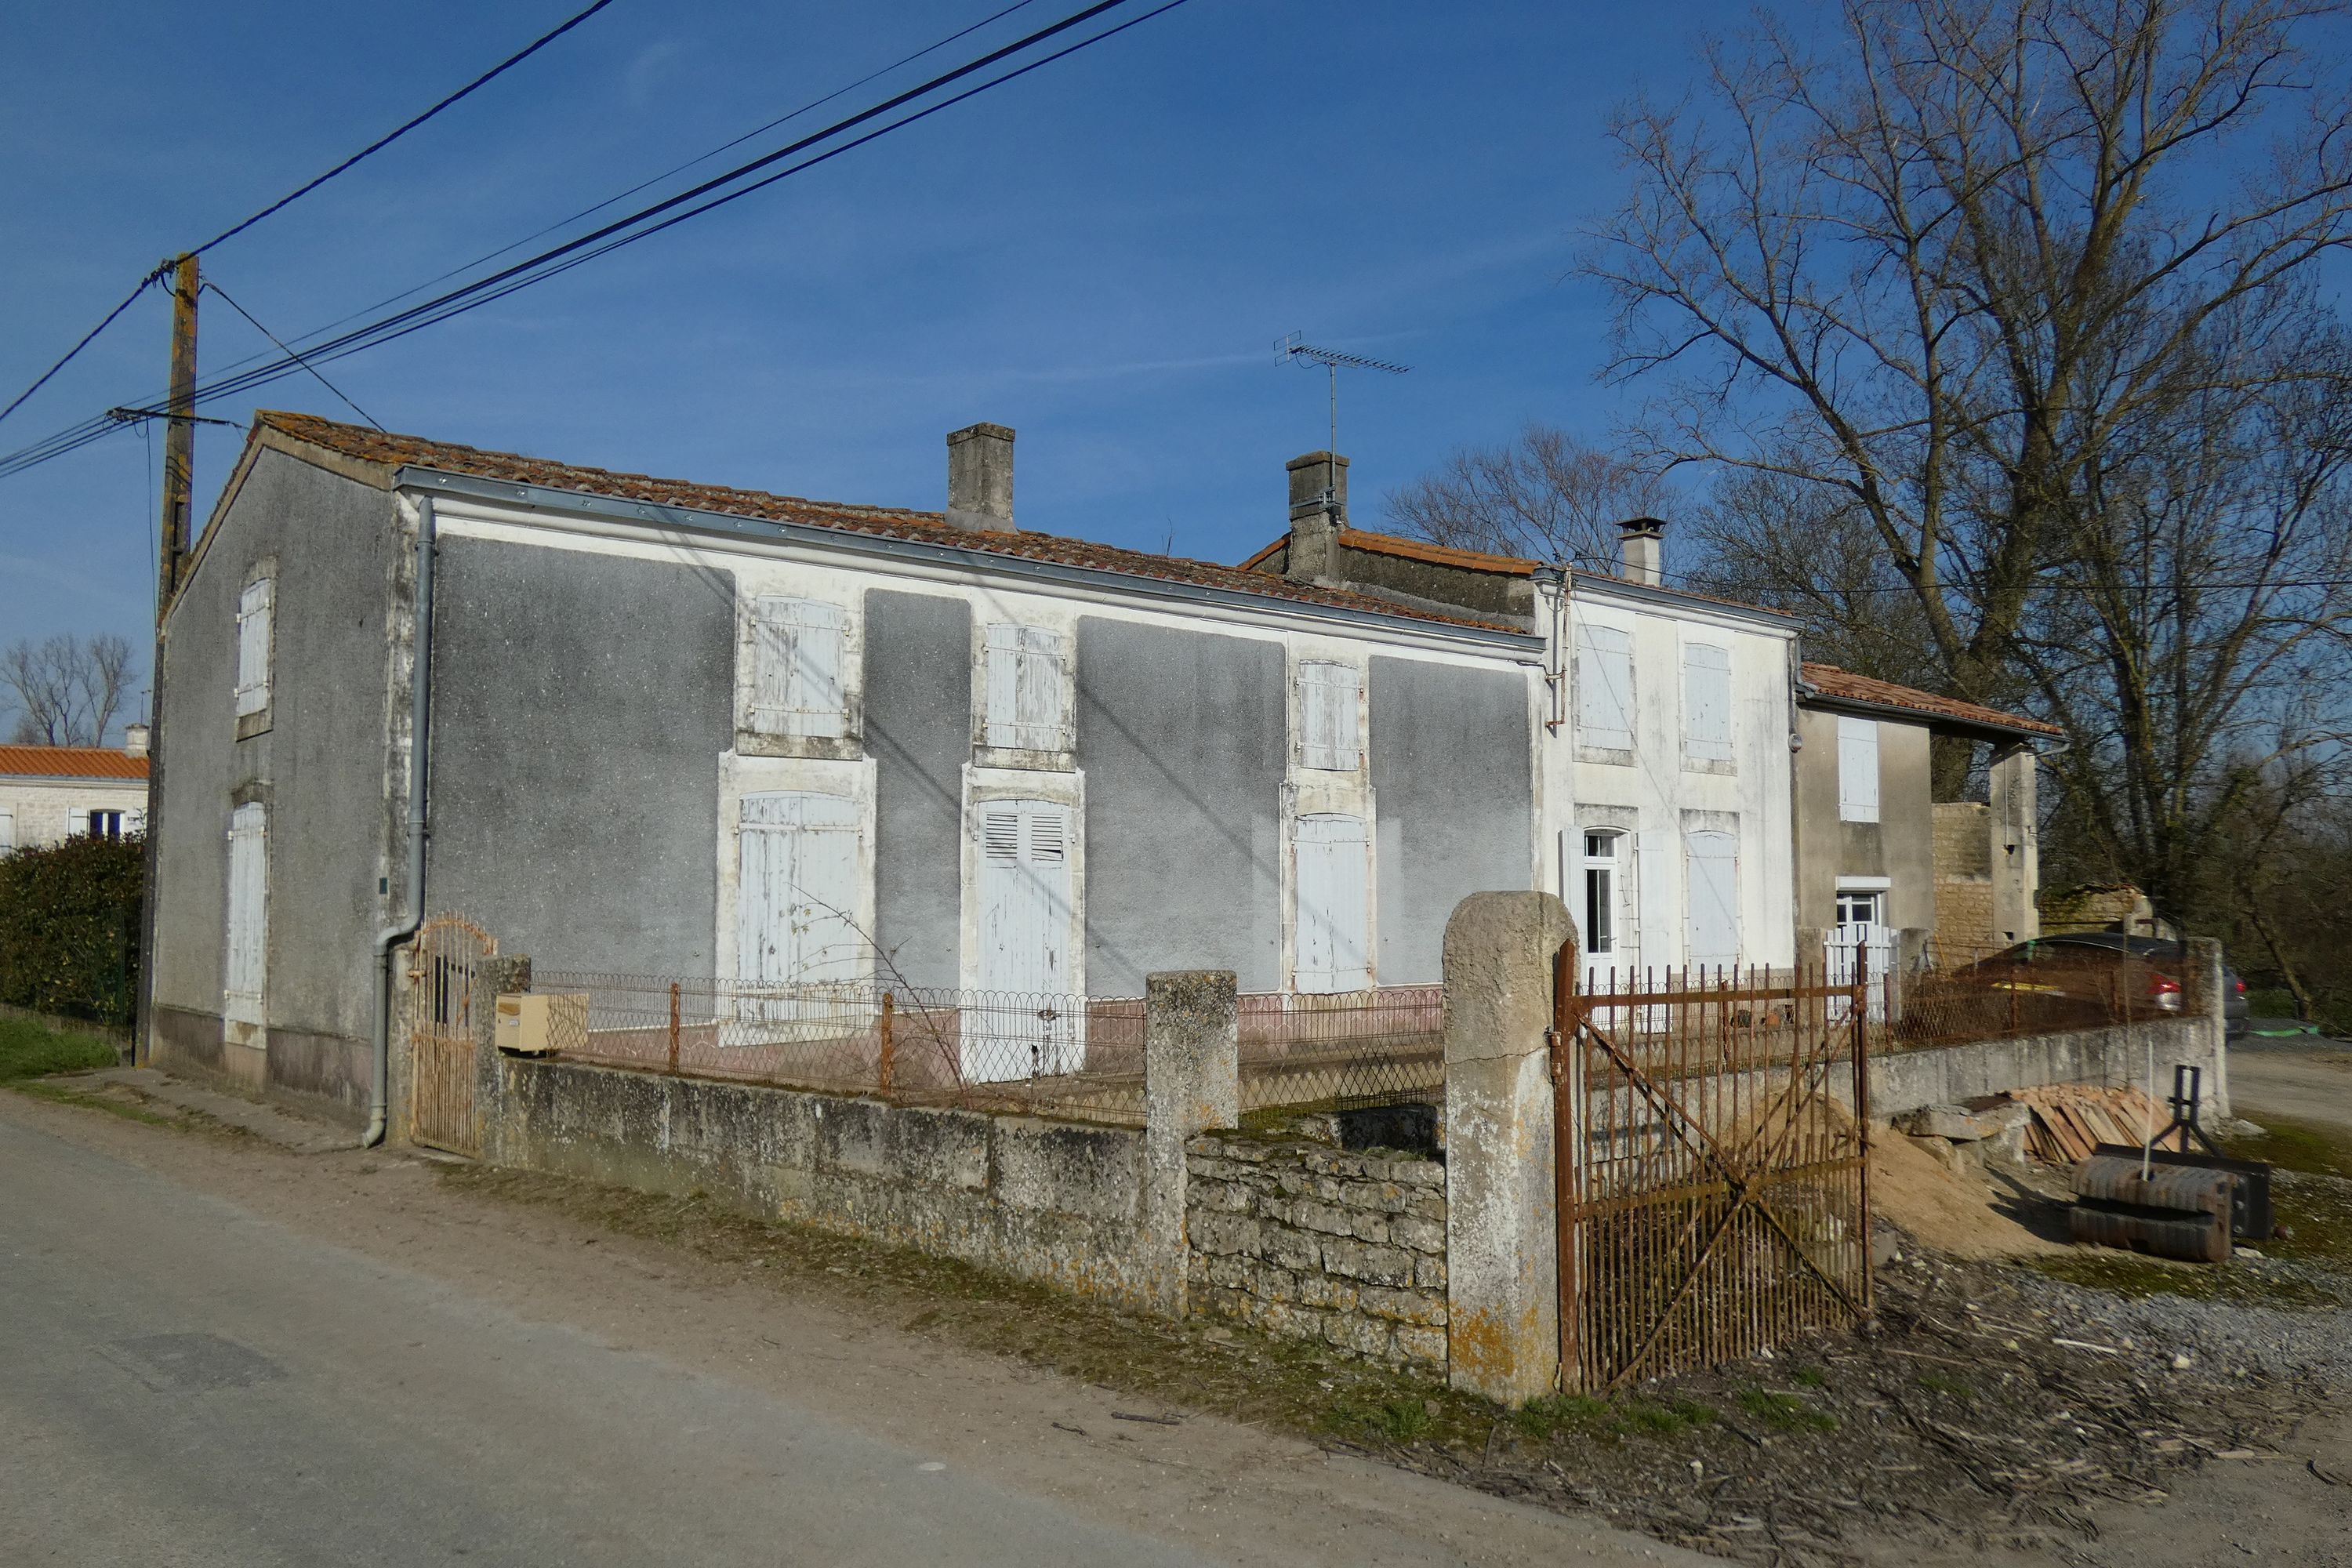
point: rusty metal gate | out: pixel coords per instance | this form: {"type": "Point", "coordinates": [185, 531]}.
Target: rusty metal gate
{"type": "Point", "coordinates": [1713, 1192]}
{"type": "Point", "coordinates": [442, 960]}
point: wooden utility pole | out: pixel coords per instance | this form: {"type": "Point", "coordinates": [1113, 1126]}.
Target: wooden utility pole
{"type": "Point", "coordinates": [179, 435]}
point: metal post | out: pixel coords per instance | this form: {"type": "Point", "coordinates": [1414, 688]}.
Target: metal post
{"type": "Point", "coordinates": [1861, 1113]}
{"type": "Point", "coordinates": [673, 1028]}
{"type": "Point", "coordinates": [890, 1045]}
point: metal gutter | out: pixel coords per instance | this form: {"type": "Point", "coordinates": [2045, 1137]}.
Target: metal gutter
{"type": "Point", "coordinates": [923, 551]}
{"type": "Point", "coordinates": [420, 697]}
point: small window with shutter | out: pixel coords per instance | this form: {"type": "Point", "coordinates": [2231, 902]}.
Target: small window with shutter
{"type": "Point", "coordinates": [1604, 687]}
{"type": "Point", "coordinates": [254, 609]}
{"type": "Point", "coordinates": [1706, 703]}
{"type": "Point", "coordinates": [1857, 770]}
{"type": "Point", "coordinates": [1329, 701]}
{"type": "Point", "coordinates": [1028, 689]}
{"type": "Point", "coordinates": [799, 652]}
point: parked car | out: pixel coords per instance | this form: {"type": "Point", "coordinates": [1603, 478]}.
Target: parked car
{"type": "Point", "coordinates": [2069, 962]}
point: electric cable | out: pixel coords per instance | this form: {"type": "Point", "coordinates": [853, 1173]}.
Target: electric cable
{"type": "Point", "coordinates": [305, 364]}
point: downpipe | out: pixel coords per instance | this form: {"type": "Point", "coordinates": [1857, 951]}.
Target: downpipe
{"type": "Point", "coordinates": [419, 733]}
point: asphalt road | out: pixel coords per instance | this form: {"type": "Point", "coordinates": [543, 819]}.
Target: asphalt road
{"type": "Point", "coordinates": [216, 1353]}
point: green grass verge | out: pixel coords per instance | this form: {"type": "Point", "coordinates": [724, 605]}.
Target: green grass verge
{"type": "Point", "coordinates": [29, 1051]}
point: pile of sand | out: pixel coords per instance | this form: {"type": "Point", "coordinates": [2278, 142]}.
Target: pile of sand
{"type": "Point", "coordinates": [1950, 1211]}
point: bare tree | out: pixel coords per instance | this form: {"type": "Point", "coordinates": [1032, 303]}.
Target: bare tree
{"type": "Point", "coordinates": [1545, 495]}
{"type": "Point", "coordinates": [2030, 288]}
{"type": "Point", "coordinates": [67, 689]}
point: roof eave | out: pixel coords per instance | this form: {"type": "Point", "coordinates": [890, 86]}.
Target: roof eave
{"type": "Point", "coordinates": [540, 496]}
{"type": "Point", "coordinates": [1809, 696]}
{"type": "Point", "coordinates": [1581, 583]}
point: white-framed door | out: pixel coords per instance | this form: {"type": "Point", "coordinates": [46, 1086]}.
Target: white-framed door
{"type": "Point", "coordinates": [1028, 1022]}
{"type": "Point", "coordinates": [1600, 866]}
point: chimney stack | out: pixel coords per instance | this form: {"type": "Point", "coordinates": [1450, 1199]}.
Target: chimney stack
{"type": "Point", "coordinates": [1640, 547]}
{"type": "Point", "coordinates": [134, 740]}
{"type": "Point", "coordinates": [980, 479]}
{"type": "Point", "coordinates": [1319, 510]}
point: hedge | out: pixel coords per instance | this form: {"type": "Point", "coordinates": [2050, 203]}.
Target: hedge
{"type": "Point", "coordinates": [69, 927]}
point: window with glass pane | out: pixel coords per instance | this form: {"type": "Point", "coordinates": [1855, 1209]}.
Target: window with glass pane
{"type": "Point", "coordinates": [1600, 892]}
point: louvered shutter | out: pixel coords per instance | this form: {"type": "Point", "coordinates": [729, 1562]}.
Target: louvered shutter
{"type": "Point", "coordinates": [1714, 926]}
{"type": "Point", "coordinates": [1857, 770]}
{"type": "Point", "coordinates": [247, 943]}
{"type": "Point", "coordinates": [1604, 687]}
{"type": "Point", "coordinates": [1334, 914]}
{"type": "Point", "coordinates": [254, 609]}
{"type": "Point", "coordinates": [1329, 697]}
{"type": "Point", "coordinates": [1707, 703]}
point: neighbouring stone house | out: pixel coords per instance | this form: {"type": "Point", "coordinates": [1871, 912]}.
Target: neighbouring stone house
{"type": "Point", "coordinates": [48, 793]}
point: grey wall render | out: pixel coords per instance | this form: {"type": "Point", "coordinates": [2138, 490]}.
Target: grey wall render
{"type": "Point", "coordinates": [1453, 785]}
{"type": "Point", "coordinates": [319, 768]}
{"type": "Point", "coordinates": [580, 703]}
{"type": "Point", "coordinates": [1180, 735]}
{"type": "Point", "coordinates": [918, 732]}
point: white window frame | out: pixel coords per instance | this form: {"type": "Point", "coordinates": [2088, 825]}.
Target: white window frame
{"type": "Point", "coordinates": [1613, 863]}
{"type": "Point", "coordinates": [1707, 715]}
{"type": "Point", "coordinates": [1605, 712]}
{"type": "Point", "coordinates": [256, 653]}
{"type": "Point", "coordinates": [1330, 707]}
{"type": "Point", "coordinates": [1858, 769]}
{"type": "Point", "coordinates": [787, 693]}
{"type": "Point", "coordinates": [8, 830]}
{"type": "Point", "coordinates": [1026, 690]}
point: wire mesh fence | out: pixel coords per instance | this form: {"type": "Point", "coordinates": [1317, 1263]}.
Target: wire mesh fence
{"type": "Point", "coordinates": [1961, 995]}
{"type": "Point", "coordinates": [1344, 1052]}
{"type": "Point", "coordinates": [1074, 1056]}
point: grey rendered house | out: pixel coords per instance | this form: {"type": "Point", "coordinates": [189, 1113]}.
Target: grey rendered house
{"type": "Point", "coordinates": [1881, 864]}
{"type": "Point", "coordinates": [677, 729]}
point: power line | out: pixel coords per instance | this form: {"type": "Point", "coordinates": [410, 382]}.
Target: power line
{"type": "Point", "coordinates": [572, 253]}
{"type": "Point", "coordinates": [305, 364]}
{"type": "Point", "coordinates": [42, 380]}
{"type": "Point", "coordinates": [380, 142]}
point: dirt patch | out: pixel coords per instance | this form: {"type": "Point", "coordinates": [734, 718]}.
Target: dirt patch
{"type": "Point", "coordinates": [1955, 1212]}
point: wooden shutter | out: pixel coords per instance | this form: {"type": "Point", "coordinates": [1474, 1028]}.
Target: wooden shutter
{"type": "Point", "coordinates": [1707, 703]}
{"type": "Point", "coordinates": [797, 889]}
{"type": "Point", "coordinates": [1334, 914]}
{"type": "Point", "coordinates": [1604, 687]}
{"type": "Point", "coordinates": [247, 945]}
{"type": "Point", "coordinates": [1329, 696]}
{"type": "Point", "coordinates": [1857, 770]}
{"type": "Point", "coordinates": [1713, 860]}
{"type": "Point", "coordinates": [799, 648]}
{"type": "Point", "coordinates": [1026, 683]}
{"type": "Point", "coordinates": [1025, 897]}
{"type": "Point", "coordinates": [253, 617]}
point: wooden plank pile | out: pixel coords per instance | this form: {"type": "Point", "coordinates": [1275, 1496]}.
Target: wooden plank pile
{"type": "Point", "coordinates": [2070, 1120]}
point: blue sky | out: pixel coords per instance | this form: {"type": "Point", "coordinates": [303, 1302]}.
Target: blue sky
{"type": "Point", "coordinates": [1100, 255]}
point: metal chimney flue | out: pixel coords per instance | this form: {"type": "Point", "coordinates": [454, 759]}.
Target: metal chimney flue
{"type": "Point", "coordinates": [980, 479]}
{"type": "Point", "coordinates": [1641, 546]}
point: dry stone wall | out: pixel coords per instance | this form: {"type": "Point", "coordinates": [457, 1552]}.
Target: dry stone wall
{"type": "Point", "coordinates": [1310, 1242]}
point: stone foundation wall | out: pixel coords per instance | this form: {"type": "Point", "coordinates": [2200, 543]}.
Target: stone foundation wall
{"type": "Point", "coordinates": [1310, 1242]}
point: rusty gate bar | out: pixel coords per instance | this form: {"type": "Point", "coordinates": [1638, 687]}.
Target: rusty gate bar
{"type": "Point", "coordinates": [1713, 1198]}
{"type": "Point", "coordinates": [444, 958]}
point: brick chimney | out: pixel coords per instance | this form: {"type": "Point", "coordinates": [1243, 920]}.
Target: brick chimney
{"type": "Point", "coordinates": [980, 479]}
{"type": "Point", "coordinates": [1319, 510]}
{"type": "Point", "coordinates": [1641, 542]}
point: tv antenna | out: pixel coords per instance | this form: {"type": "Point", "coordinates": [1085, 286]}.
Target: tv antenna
{"type": "Point", "coordinates": [1290, 350]}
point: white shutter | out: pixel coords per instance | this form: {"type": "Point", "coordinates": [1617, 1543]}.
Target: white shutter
{"type": "Point", "coordinates": [1857, 770]}
{"type": "Point", "coordinates": [246, 948]}
{"type": "Point", "coordinates": [1003, 681]}
{"type": "Point", "coordinates": [7, 831]}
{"type": "Point", "coordinates": [1025, 936]}
{"type": "Point", "coordinates": [253, 617]}
{"type": "Point", "coordinates": [1714, 925]}
{"type": "Point", "coordinates": [1604, 687]}
{"type": "Point", "coordinates": [1334, 916]}
{"type": "Point", "coordinates": [798, 654]}
{"type": "Point", "coordinates": [1329, 697]}
{"type": "Point", "coordinates": [1707, 703]}
{"type": "Point", "coordinates": [797, 890]}
{"type": "Point", "coordinates": [1025, 683]}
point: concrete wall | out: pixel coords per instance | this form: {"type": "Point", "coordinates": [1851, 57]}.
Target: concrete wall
{"type": "Point", "coordinates": [1049, 1201]}
{"type": "Point", "coordinates": [1900, 846]}
{"type": "Point", "coordinates": [918, 730]}
{"type": "Point", "coordinates": [580, 704]}
{"type": "Point", "coordinates": [1451, 783]}
{"type": "Point", "coordinates": [337, 558]}
{"type": "Point", "coordinates": [1182, 736]}
{"type": "Point", "coordinates": [1906, 1080]}
{"type": "Point", "coordinates": [1304, 1241]}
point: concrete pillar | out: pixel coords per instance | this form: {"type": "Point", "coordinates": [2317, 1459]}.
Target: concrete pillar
{"type": "Point", "coordinates": [2206, 1002]}
{"type": "Point", "coordinates": [1319, 510]}
{"type": "Point", "coordinates": [497, 977]}
{"type": "Point", "coordinates": [1502, 1227]}
{"type": "Point", "coordinates": [1192, 1083]}
{"type": "Point", "coordinates": [2016, 847]}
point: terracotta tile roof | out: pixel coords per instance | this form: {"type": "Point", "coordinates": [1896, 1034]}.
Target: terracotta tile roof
{"type": "Point", "coordinates": [1835, 682]}
{"type": "Point", "coordinates": [70, 762]}
{"type": "Point", "coordinates": [394, 451]}
{"type": "Point", "coordinates": [1437, 555]}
